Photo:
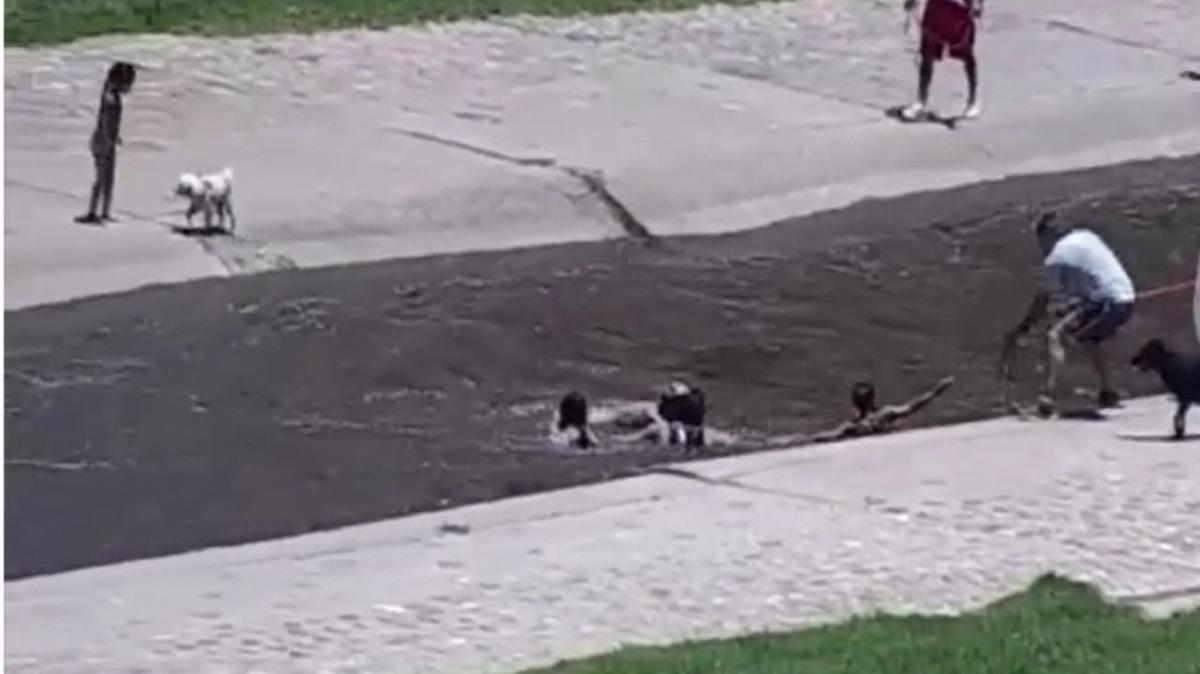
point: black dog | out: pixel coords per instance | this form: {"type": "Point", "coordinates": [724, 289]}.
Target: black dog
{"type": "Point", "coordinates": [683, 408]}
{"type": "Point", "coordinates": [1180, 374]}
{"type": "Point", "coordinates": [573, 413]}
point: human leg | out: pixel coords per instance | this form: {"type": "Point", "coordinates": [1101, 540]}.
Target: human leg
{"type": "Point", "coordinates": [971, 68]}
{"type": "Point", "coordinates": [924, 79]}
{"type": "Point", "coordinates": [106, 168]}
{"type": "Point", "coordinates": [1180, 420]}
{"type": "Point", "coordinates": [1097, 354]}
{"type": "Point", "coordinates": [928, 57]}
{"type": "Point", "coordinates": [97, 187]}
{"type": "Point", "coordinates": [1056, 359]}
{"type": "Point", "coordinates": [1099, 323]}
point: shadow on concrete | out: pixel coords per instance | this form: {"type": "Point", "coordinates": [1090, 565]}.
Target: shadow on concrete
{"type": "Point", "coordinates": [200, 232]}
{"type": "Point", "coordinates": [896, 112]}
{"type": "Point", "coordinates": [1166, 438]}
{"type": "Point", "coordinates": [1082, 414]}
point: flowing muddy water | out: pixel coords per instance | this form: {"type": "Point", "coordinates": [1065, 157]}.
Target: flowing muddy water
{"type": "Point", "coordinates": [224, 411]}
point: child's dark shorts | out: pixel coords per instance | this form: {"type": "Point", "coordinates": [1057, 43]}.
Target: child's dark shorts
{"type": "Point", "coordinates": [947, 26]}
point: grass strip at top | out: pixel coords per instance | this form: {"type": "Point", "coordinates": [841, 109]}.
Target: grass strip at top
{"type": "Point", "coordinates": [39, 22]}
{"type": "Point", "coordinates": [1055, 627]}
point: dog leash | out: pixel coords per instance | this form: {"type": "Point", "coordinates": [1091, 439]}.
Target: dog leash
{"type": "Point", "coordinates": [1153, 293]}
{"type": "Point", "coordinates": [1166, 290]}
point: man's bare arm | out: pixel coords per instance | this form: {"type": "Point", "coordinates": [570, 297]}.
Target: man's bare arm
{"type": "Point", "coordinates": [893, 413]}
{"type": "Point", "coordinates": [1035, 312]}
{"type": "Point", "coordinates": [845, 430]}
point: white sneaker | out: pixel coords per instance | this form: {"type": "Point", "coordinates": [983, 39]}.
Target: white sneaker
{"type": "Point", "coordinates": [973, 110]}
{"type": "Point", "coordinates": [913, 112]}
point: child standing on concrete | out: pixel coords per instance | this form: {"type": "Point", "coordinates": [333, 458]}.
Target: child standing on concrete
{"type": "Point", "coordinates": [947, 26]}
{"type": "Point", "coordinates": [105, 139]}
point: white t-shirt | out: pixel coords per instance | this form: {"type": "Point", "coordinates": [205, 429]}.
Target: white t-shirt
{"type": "Point", "coordinates": [1084, 267]}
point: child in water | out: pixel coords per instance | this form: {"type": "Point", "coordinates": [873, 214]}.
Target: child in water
{"type": "Point", "coordinates": [105, 139]}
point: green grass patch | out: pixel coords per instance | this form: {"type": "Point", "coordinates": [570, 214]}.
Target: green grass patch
{"type": "Point", "coordinates": [1054, 627]}
{"type": "Point", "coordinates": [34, 22]}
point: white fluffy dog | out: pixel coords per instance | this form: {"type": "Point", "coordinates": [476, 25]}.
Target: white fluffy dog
{"type": "Point", "coordinates": [209, 193]}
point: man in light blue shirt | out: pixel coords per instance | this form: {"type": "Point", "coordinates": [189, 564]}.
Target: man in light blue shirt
{"type": "Point", "coordinates": [1096, 292]}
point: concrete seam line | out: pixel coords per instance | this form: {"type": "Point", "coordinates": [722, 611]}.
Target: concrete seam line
{"type": "Point", "coordinates": [539, 162]}
{"type": "Point", "coordinates": [592, 180]}
{"type": "Point", "coordinates": [595, 184]}
{"type": "Point", "coordinates": [1064, 25]}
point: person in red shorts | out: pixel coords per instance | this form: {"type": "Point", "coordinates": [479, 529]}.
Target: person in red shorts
{"type": "Point", "coordinates": [947, 26]}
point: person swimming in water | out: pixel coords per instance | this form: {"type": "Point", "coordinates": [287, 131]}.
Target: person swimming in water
{"type": "Point", "coordinates": [873, 420]}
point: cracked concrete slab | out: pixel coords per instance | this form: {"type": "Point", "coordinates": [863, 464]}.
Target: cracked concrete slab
{"type": "Point", "coordinates": [698, 122]}
{"type": "Point", "coordinates": [938, 520]}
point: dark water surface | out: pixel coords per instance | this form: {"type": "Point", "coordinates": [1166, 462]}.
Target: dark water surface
{"type": "Point", "coordinates": [225, 411]}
